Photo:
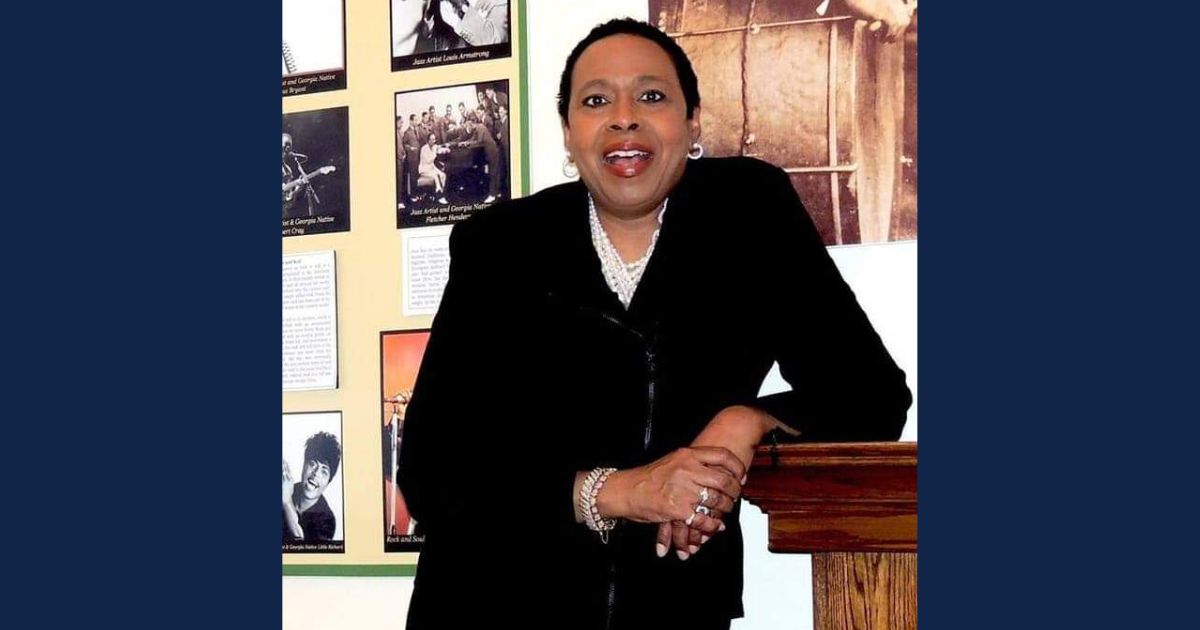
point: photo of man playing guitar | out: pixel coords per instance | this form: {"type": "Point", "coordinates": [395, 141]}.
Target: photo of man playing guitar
{"type": "Point", "coordinates": [297, 182]}
{"type": "Point", "coordinates": [315, 183]}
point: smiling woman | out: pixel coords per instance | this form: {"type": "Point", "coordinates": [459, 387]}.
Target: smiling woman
{"type": "Point", "coordinates": [628, 127]}
{"type": "Point", "coordinates": [580, 381]}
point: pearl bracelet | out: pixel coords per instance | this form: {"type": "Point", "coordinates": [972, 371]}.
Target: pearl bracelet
{"type": "Point", "coordinates": [587, 503]}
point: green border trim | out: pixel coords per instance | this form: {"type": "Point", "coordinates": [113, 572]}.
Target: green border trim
{"type": "Point", "coordinates": [523, 80]}
{"type": "Point", "coordinates": [351, 570]}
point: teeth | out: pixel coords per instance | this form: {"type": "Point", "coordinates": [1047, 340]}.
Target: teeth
{"type": "Point", "coordinates": [626, 154]}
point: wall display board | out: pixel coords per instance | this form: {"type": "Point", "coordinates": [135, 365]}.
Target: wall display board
{"type": "Point", "coordinates": [314, 46]}
{"type": "Point", "coordinates": [345, 157]}
{"type": "Point", "coordinates": [429, 33]}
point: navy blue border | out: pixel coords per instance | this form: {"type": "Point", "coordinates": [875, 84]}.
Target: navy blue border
{"type": "Point", "coordinates": [1057, 339]}
{"type": "Point", "coordinates": [142, 348]}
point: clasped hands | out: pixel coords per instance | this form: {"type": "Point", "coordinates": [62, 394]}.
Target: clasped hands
{"type": "Point", "coordinates": [668, 491]}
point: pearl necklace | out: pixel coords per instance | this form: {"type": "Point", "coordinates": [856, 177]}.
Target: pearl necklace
{"type": "Point", "coordinates": [621, 277]}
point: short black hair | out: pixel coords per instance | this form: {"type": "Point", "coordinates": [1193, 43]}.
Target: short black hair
{"type": "Point", "coordinates": [323, 447]}
{"type": "Point", "coordinates": [637, 28]}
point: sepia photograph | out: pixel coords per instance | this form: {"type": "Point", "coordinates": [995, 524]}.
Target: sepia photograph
{"type": "Point", "coordinates": [427, 33]}
{"type": "Point", "coordinates": [313, 514]}
{"type": "Point", "coordinates": [400, 358]}
{"type": "Point", "coordinates": [825, 89]}
{"type": "Point", "coordinates": [314, 48]}
{"type": "Point", "coordinates": [316, 176]}
{"type": "Point", "coordinates": [453, 152]}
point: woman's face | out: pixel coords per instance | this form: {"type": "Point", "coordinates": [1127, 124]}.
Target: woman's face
{"type": "Point", "coordinates": [432, 139]}
{"type": "Point", "coordinates": [627, 127]}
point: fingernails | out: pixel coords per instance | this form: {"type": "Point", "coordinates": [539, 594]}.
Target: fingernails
{"type": "Point", "coordinates": [744, 478]}
{"type": "Point", "coordinates": [683, 555]}
{"type": "Point", "coordinates": [721, 528]}
{"type": "Point", "coordinates": [693, 549]}
{"type": "Point", "coordinates": [703, 539]}
{"type": "Point", "coordinates": [660, 549]}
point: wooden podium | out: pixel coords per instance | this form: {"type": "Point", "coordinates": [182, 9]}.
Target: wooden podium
{"type": "Point", "coordinates": [854, 508]}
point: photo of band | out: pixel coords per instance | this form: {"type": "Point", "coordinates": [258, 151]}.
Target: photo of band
{"type": "Point", "coordinates": [400, 358]}
{"type": "Point", "coordinates": [314, 49]}
{"type": "Point", "coordinates": [428, 33]}
{"type": "Point", "coordinates": [452, 152]}
{"type": "Point", "coordinates": [316, 173]}
{"type": "Point", "coordinates": [313, 514]}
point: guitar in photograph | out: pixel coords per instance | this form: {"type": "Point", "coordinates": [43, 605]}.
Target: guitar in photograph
{"type": "Point", "coordinates": [291, 187]}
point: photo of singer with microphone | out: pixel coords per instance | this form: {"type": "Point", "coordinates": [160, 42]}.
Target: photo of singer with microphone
{"type": "Point", "coordinates": [400, 353]}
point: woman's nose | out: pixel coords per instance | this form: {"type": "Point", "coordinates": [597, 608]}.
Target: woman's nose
{"type": "Point", "coordinates": [624, 116]}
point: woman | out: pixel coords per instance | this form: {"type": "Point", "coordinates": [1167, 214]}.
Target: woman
{"type": "Point", "coordinates": [587, 406]}
{"type": "Point", "coordinates": [428, 168]}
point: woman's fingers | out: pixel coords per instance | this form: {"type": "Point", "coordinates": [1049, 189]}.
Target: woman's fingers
{"type": "Point", "coordinates": [681, 540]}
{"type": "Point", "coordinates": [704, 524]}
{"type": "Point", "coordinates": [687, 538]}
{"type": "Point", "coordinates": [663, 539]}
{"type": "Point", "coordinates": [718, 483]}
{"type": "Point", "coordinates": [720, 457]}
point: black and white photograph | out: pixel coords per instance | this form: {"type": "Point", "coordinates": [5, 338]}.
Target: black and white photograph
{"type": "Point", "coordinates": [314, 46]}
{"type": "Point", "coordinates": [316, 172]}
{"type": "Point", "coordinates": [824, 89]}
{"type": "Point", "coordinates": [427, 33]}
{"type": "Point", "coordinates": [453, 154]}
{"type": "Point", "coordinates": [313, 513]}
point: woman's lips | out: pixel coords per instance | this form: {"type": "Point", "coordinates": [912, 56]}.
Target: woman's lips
{"type": "Point", "coordinates": [627, 162]}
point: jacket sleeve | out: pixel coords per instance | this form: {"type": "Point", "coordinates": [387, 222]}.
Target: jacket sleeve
{"type": "Point", "coordinates": [464, 454]}
{"type": "Point", "coordinates": [845, 385]}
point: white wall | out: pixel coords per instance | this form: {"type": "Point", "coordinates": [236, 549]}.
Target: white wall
{"type": "Point", "coordinates": [778, 591]}
{"type": "Point", "coordinates": [340, 603]}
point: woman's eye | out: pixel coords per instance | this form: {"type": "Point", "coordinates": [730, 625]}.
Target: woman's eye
{"type": "Point", "coordinates": [595, 100]}
{"type": "Point", "coordinates": [653, 96]}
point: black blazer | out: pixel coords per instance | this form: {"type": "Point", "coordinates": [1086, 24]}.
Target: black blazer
{"type": "Point", "coordinates": [534, 371]}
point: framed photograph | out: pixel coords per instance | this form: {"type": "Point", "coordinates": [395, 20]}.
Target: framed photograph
{"type": "Point", "coordinates": [316, 172]}
{"type": "Point", "coordinates": [453, 152]}
{"type": "Point", "coordinates": [824, 89]}
{"type": "Point", "coordinates": [314, 46]}
{"type": "Point", "coordinates": [400, 355]}
{"type": "Point", "coordinates": [313, 507]}
{"type": "Point", "coordinates": [427, 33]}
